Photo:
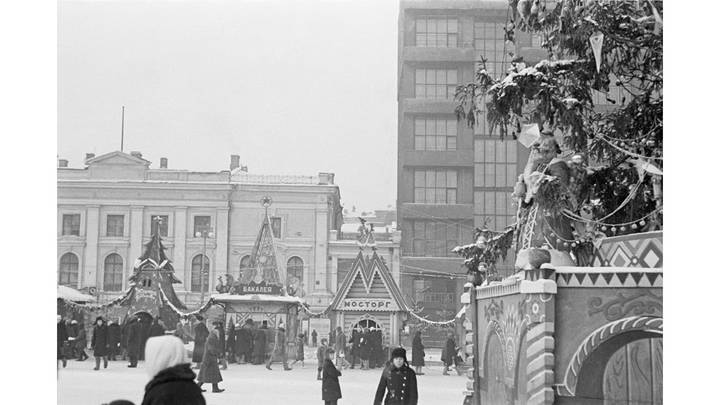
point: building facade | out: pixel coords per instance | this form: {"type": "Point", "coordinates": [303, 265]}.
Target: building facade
{"type": "Point", "coordinates": [106, 210]}
{"type": "Point", "coordinates": [451, 178]}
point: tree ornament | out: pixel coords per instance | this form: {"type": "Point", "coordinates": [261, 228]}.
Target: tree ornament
{"type": "Point", "coordinates": [642, 222]}
{"type": "Point", "coordinates": [566, 244]}
{"type": "Point", "coordinates": [633, 226]}
{"type": "Point", "coordinates": [604, 228]}
{"type": "Point", "coordinates": [613, 229]}
{"type": "Point", "coordinates": [573, 244]}
{"type": "Point", "coordinates": [596, 41]}
{"type": "Point", "coordinates": [558, 242]}
{"type": "Point", "coordinates": [622, 229]}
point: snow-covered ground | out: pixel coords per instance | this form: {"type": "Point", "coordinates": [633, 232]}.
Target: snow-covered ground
{"type": "Point", "coordinates": [79, 384]}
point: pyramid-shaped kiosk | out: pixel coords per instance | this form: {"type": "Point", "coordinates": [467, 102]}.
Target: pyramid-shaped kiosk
{"type": "Point", "coordinates": [151, 288]}
{"type": "Point", "coordinates": [369, 297]}
{"type": "Point", "coordinates": [259, 293]}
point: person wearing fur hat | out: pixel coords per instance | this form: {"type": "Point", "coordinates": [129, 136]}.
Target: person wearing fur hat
{"type": "Point", "coordinates": [99, 343]}
{"type": "Point", "coordinates": [172, 382]}
{"type": "Point", "coordinates": [133, 341]}
{"type": "Point", "coordinates": [398, 384]}
{"type": "Point", "coordinates": [279, 349]}
{"type": "Point", "coordinates": [209, 369]}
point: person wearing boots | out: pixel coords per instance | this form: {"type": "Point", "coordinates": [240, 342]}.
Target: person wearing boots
{"type": "Point", "coordinates": [330, 383]}
{"type": "Point", "coordinates": [80, 341]}
{"type": "Point", "coordinates": [448, 353]}
{"type": "Point", "coordinates": [398, 384]}
{"type": "Point", "coordinates": [209, 369]}
{"type": "Point", "coordinates": [418, 354]}
{"type": "Point", "coordinates": [99, 343]}
{"type": "Point", "coordinates": [279, 350]}
{"type": "Point", "coordinates": [113, 340]}
{"type": "Point", "coordinates": [321, 354]}
{"type": "Point", "coordinates": [201, 335]}
{"type": "Point", "coordinates": [171, 379]}
{"type": "Point", "coordinates": [61, 339]}
{"type": "Point", "coordinates": [133, 341]}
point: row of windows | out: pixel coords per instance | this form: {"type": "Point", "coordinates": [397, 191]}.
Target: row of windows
{"type": "Point", "coordinates": [435, 186]}
{"type": "Point", "coordinates": [436, 32]}
{"type": "Point", "coordinates": [115, 225]}
{"type": "Point", "coordinates": [437, 239]}
{"type": "Point", "coordinates": [435, 134]}
{"type": "Point", "coordinates": [113, 271]}
{"type": "Point", "coordinates": [436, 83]}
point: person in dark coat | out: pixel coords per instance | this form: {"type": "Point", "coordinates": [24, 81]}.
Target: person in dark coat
{"type": "Point", "coordinates": [99, 343]}
{"type": "Point", "coordinates": [448, 353]}
{"type": "Point", "coordinates": [355, 347]}
{"type": "Point", "coordinates": [209, 369]}
{"type": "Point", "coordinates": [219, 325]}
{"type": "Point", "coordinates": [157, 328]}
{"type": "Point", "coordinates": [113, 340]}
{"type": "Point", "coordinates": [330, 383]}
{"type": "Point", "coordinates": [300, 352]}
{"type": "Point", "coordinates": [81, 341]}
{"type": "Point", "coordinates": [418, 354]}
{"type": "Point", "coordinates": [279, 350]}
{"type": "Point", "coordinates": [322, 354]}
{"type": "Point", "coordinates": [398, 384]}
{"type": "Point", "coordinates": [201, 335]}
{"type": "Point", "coordinates": [230, 343]}
{"type": "Point", "coordinates": [133, 341]}
{"type": "Point", "coordinates": [259, 346]}
{"type": "Point", "coordinates": [314, 338]}
{"type": "Point", "coordinates": [145, 325]}
{"type": "Point", "coordinates": [245, 342]}
{"type": "Point", "coordinates": [364, 349]}
{"type": "Point", "coordinates": [61, 339]}
{"type": "Point", "coordinates": [340, 343]}
{"type": "Point", "coordinates": [172, 381]}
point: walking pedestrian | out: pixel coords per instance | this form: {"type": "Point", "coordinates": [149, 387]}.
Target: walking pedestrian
{"type": "Point", "coordinates": [133, 341]}
{"type": "Point", "coordinates": [300, 352]}
{"type": "Point", "coordinates": [220, 326]}
{"type": "Point", "coordinates": [418, 354]}
{"type": "Point", "coordinates": [314, 338]}
{"type": "Point", "coordinates": [99, 343]}
{"type": "Point", "coordinates": [398, 384]}
{"type": "Point", "coordinates": [113, 339]}
{"type": "Point", "coordinates": [171, 379]}
{"type": "Point", "coordinates": [340, 343]}
{"type": "Point", "coordinates": [81, 341]}
{"type": "Point", "coordinates": [259, 339]}
{"type": "Point", "coordinates": [330, 383]}
{"type": "Point", "coordinates": [209, 369]}
{"type": "Point", "coordinates": [321, 354]}
{"type": "Point", "coordinates": [448, 353]}
{"type": "Point", "coordinates": [201, 335]}
{"type": "Point", "coordinates": [279, 350]}
{"type": "Point", "coordinates": [61, 339]}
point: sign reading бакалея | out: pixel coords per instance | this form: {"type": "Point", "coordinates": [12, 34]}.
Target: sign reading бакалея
{"type": "Point", "coordinates": [258, 288]}
{"type": "Point", "coordinates": [368, 304]}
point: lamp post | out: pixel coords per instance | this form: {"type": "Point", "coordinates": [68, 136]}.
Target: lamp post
{"type": "Point", "coordinates": [205, 233]}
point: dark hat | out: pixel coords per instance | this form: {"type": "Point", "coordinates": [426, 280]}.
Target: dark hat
{"type": "Point", "coordinates": [99, 318]}
{"type": "Point", "coordinates": [399, 352]}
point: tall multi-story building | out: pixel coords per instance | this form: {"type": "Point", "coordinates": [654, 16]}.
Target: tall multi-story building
{"type": "Point", "coordinates": [451, 178]}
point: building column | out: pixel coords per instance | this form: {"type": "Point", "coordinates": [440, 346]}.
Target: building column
{"type": "Point", "coordinates": [334, 274]}
{"type": "Point", "coordinates": [180, 225]}
{"type": "Point", "coordinates": [221, 247]}
{"type": "Point", "coordinates": [88, 275]}
{"type": "Point", "coordinates": [321, 250]}
{"type": "Point", "coordinates": [136, 236]}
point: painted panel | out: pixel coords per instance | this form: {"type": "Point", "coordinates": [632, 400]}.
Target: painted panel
{"type": "Point", "coordinates": [633, 374]}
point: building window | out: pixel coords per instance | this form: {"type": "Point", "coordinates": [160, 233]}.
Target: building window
{"type": "Point", "coordinates": [115, 225]}
{"type": "Point", "coordinates": [436, 186]}
{"type": "Point", "coordinates": [295, 269]}
{"type": "Point", "coordinates": [495, 163]}
{"type": "Point", "coordinates": [436, 32]}
{"type": "Point", "coordinates": [276, 226]}
{"type": "Point", "coordinates": [244, 265]}
{"type": "Point", "coordinates": [71, 224]}
{"type": "Point", "coordinates": [195, 280]}
{"type": "Point", "coordinates": [162, 224]}
{"type": "Point", "coordinates": [435, 134]}
{"type": "Point", "coordinates": [202, 223]}
{"type": "Point", "coordinates": [113, 274]}
{"type": "Point", "coordinates": [494, 209]}
{"type": "Point", "coordinates": [438, 239]}
{"type": "Point", "coordinates": [490, 44]}
{"type": "Point", "coordinates": [435, 83]}
{"type": "Point", "coordinates": [69, 269]}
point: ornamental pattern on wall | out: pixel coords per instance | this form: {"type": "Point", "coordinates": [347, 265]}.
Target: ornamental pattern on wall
{"type": "Point", "coordinates": [642, 302]}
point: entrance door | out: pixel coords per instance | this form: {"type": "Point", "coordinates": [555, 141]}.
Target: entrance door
{"type": "Point", "coordinates": [633, 374]}
{"type": "Point", "coordinates": [367, 323]}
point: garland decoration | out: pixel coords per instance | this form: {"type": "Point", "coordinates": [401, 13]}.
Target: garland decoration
{"type": "Point", "coordinates": [94, 307]}
{"type": "Point", "coordinates": [429, 322]}
{"type": "Point", "coordinates": [210, 302]}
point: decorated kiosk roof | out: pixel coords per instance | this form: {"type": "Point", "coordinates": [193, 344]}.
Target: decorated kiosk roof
{"type": "Point", "coordinates": [263, 259]}
{"type": "Point", "coordinates": [369, 286]}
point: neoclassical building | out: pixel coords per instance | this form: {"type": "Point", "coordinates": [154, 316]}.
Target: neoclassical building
{"type": "Point", "coordinates": [106, 210]}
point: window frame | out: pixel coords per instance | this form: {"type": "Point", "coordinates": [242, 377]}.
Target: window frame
{"type": "Point", "coordinates": [196, 229]}
{"type": "Point", "coordinates": [441, 36]}
{"type": "Point", "coordinates": [108, 228]}
{"type": "Point", "coordinates": [62, 270]}
{"type": "Point", "coordinates": [114, 273]}
{"type": "Point", "coordinates": [79, 223]}
{"type": "Point", "coordinates": [195, 267]}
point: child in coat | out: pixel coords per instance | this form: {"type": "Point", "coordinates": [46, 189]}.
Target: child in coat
{"type": "Point", "coordinates": [330, 383]}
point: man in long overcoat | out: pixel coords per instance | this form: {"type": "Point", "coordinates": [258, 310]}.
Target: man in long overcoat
{"type": "Point", "coordinates": [201, 335]}
{"type": "Point", "coordinates": [133, 341]}
{"type": "Point", "coordinates": [244, 342]}
{"type": "Point", "coordinates": [99, 343]}
{"type": "Point", "coordinates": [279, 350]}
{"type": "Point", "coordinates": [209, 369]}
{"type": "Point", "coordinates": [61, 339]}
{"type": "Point", "coordinates": [113, 340]}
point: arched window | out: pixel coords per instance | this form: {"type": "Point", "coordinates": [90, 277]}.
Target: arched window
{"type": "Point", "coordinates": [68, 274]}
{"type": "Point", "coordinates": [195, 280]}
{"type": "Point", "coordinates": [244, 265]}
{"type": "Point", "coordinates": [295, 269]}
{"type": "Point", "coordinates": [113, 273]}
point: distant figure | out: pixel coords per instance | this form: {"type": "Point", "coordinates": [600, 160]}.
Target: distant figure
{"type": "Point", "coordinates": [330, 383]}
{"type": "Point", "coordinates": [340, 342]}
{"type": "Point", "coordinates": [209, 369]}
{"type": "Point", "coordinates": [80, 341]}
{"type": "Point", "coordinates": [354, 343]}
{"type": "Point", "coordinates": [220, 326]}
{"type": "Point", "coordinates": [449, 352]}
{"type": "Point", "coordinates": [259, 339]}
{"type": "Point", "coordinates": [133, 341]}
{"type": "Point", "coordinates": [244, 342]}
{"type": "Point", "coordinates": [113, 340]}
{"type": "Point", "coordinates": [230, 343]}
{"type": "Point", "coordinates": [418, 354]}
{"type": "Point", "coordinates": [171, 379]}
{"type": "Point", "coordinates": [279, 349]}
{"type": "Point", "coordinates": [314, 338]}
{"type": "Point", "coordinates": [99, 343]}
{"type": "Point", "coordinates": [364, 349]}
{"type": "Point", "coordinates": [300, 352]}
{"type": "Point", "coordinates": [201, 335]}
{"type": "Point", "coordinates": [61, 339]}
{"type": "Point", "coordinates": [321, 355]}
{"type": "Point", "coordinates": [399, 381]}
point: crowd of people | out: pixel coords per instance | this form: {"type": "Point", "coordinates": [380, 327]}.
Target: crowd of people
{"type": "Point", "coordinates": [171, 372]}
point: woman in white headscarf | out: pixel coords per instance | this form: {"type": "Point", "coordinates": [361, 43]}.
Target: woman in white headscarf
{"type": "Point", "coordinates": [172, 382]}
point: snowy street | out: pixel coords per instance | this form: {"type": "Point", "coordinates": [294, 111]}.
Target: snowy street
{"type": "Point", "coordinates": [79, 384]}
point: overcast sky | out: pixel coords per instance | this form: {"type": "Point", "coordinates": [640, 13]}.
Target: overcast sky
{"type": "Point", "coordinates": [293, 87]}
